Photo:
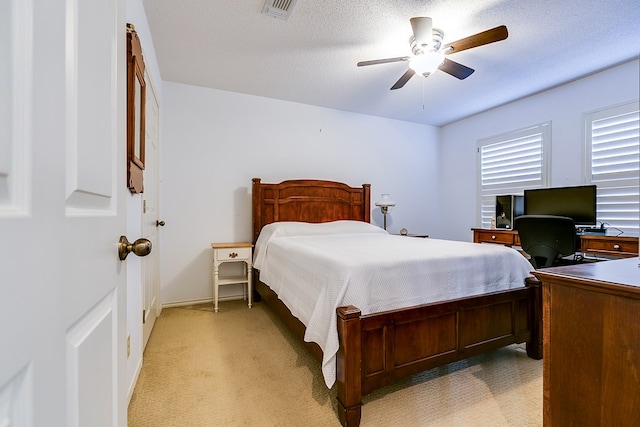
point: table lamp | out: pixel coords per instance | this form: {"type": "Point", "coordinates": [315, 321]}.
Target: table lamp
{"type": "Point", "coordinates": [385, 203]}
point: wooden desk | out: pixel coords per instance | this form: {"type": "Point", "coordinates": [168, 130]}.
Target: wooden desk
{"type": "Point", "coordinates": [591, 329]}
{"type": "Point", "coordinates": [589, 244]}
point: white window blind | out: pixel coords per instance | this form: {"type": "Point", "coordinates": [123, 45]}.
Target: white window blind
{"type": "Point", "coordinates": [510, 163]}
{"type": "Point", "coordinates": [613, 153]}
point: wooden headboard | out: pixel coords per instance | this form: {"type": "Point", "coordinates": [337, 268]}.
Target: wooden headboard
{"type": "Point", "coordinates": [308, 200]}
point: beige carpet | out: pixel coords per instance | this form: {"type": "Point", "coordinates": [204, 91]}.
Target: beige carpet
{"type": "Point", "coordinates": [241, 367]}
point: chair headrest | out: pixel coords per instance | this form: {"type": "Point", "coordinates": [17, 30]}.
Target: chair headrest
{"type": "Point", "coordinates": [557, 232]}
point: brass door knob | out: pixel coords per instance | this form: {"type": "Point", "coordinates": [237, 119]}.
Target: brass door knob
{"type": "Point", "coordinates": [141, 247]}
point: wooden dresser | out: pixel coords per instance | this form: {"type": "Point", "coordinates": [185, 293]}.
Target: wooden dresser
{"type": "Point", "coordinates": [591, 328]}
{"type": "Point", "coordinates": [590, 244]}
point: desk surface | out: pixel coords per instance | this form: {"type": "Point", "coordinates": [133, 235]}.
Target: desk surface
{"type": "Point", "coordinates": [622, 275]}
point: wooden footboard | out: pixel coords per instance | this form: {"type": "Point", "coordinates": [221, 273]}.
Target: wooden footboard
{"type": "Point", "coordinates": [377, 349]}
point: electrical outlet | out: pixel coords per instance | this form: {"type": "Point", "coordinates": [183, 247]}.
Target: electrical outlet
{"type": "Point", "coordinates": [128, 345]}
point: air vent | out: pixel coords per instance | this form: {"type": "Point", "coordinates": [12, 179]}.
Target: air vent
{"type": "Point", "coordinates": [280, 9]}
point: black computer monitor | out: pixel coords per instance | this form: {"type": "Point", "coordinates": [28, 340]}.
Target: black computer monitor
{"type": "Point", "coordinates": [578, 203]}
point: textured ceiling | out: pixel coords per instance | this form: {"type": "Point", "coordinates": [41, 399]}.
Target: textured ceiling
{"type": "Point", "coordinates": [311, 57]}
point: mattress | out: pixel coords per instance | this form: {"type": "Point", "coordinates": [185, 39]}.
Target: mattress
{"type": "Point", "coordinates": [315, 268]}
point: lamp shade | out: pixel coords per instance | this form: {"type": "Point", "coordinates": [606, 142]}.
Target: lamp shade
{"type": "Point", "coordinates": [426, 63]}
{"type": "Point", "coordinates": [385, 201]}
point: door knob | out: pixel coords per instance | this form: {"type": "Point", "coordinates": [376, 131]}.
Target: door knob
{"type": "Point", "coordinates": [159, 223]}
{"type": "Point", "coordinates": [141, 247]}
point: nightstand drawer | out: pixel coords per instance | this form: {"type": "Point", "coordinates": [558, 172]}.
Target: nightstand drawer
{"type": "Point", "coordinates": [231, 254]}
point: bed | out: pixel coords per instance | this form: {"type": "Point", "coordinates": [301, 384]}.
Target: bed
{"type": "Point", "coordinates": [378, 344]}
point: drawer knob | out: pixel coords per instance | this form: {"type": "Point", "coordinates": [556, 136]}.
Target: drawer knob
{"type": "Point", "coordinates": [616, 247]}
{"type": "Point", "coordinates": [493, 237]}
{"type": "Point", "coordinates": [233, 255]}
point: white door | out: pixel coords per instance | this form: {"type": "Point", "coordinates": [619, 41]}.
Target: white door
{"type": "Point", "coordinates": [62, 182]}
{"type": "Point", "coordinates": [150, 219]}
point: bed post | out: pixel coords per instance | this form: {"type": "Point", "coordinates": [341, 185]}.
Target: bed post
{"type": "Point", "coordinates": [534, 346]}
{"type": "Point", "coordinates": [366, 191]}
{"type": "Point", "coordinates": [256, 211]}
{"type": "Point", "coordinates": [348, 361]}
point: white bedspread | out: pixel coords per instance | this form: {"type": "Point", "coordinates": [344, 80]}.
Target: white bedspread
{"type": "Point", "coordinates": [315, 268]}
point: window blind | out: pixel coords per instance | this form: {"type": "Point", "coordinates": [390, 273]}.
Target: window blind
{"type": "Point", "coordinates": [510, 163]}
{"type": "Point", "coordinates": [613, 153]}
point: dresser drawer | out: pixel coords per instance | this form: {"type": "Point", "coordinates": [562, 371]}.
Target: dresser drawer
{"type": "Point", "coordinates": [509, 238]}
{"type": "Point", "coordinates": [618, 247]}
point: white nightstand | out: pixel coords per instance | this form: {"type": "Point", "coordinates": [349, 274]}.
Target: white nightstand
{"type": "Point", "coordinates": [232, 252]}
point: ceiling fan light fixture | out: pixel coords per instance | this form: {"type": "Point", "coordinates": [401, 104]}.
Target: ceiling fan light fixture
{"type": "Point", "coordinates": [426, 63]}
{"type": "Point", "coordinates": [429, 56]}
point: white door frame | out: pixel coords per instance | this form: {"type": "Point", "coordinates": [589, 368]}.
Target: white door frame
{"type": "Point", "coordinates": [151, 228]}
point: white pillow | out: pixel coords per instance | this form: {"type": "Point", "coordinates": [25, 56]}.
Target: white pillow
{"type": "Point", "coordinates": [295, 228]}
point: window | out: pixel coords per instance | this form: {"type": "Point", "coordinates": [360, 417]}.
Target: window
{"type": "Point", "coordinates": [510, 163]}
{"type": "Point", "coordinates": [612, 153]}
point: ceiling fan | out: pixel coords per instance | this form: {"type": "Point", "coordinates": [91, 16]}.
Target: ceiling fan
{"type": "Point", "coordinates": [429, 54]}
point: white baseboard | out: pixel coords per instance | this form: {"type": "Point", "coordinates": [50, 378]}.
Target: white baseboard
{"type": "Point", "coordinates": [200, 301]}
{"type": "Point", "coordinates": [132, 386]}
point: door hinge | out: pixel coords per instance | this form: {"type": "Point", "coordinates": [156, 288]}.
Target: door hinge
{"type": "Point", "coordinates": [144, 206]}
{"type": "Point", "coordinates": [144, 316]}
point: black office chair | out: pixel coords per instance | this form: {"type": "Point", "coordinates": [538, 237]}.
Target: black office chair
{"type": "Point", "coordinates": [547, 238]}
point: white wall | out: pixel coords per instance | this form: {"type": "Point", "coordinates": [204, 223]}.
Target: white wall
{"type": "Point", "coordinates": [564, 106]}
{"type": "Point", "coordinates": [215, 142]}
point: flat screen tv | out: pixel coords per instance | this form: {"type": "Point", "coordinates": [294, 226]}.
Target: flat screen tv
{"type": "Point", "coordinates": [578, 203]}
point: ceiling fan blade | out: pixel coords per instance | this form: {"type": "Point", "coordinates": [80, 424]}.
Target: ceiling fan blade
{"type": "Point", "coordinates": [455, 69]}
{"type": "Point", "coordinates": [382, 61]}
{"type": "Point", "coordinates": [490, 36]}
{"type": "Point", "coordinates": [404, 79]}
{"type": "Point", "coordinates": [422, 30]}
